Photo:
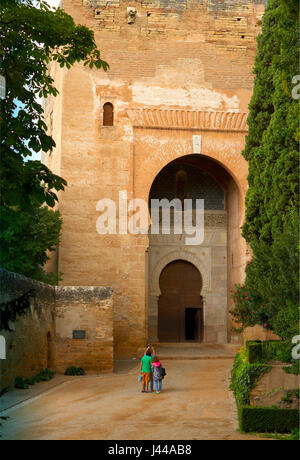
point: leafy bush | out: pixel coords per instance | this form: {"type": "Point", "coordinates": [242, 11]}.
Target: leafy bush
{"type": "Point", "coordinates": [277, 350]}
{"type": "Point", "coordinates": [268, 419]}
{"type": "Point", "coordinates": [244, 376]}
{"type": "Point", "coordinates": [43, 376]}
{"type": "Point", "coordinates": [294, 368]}
{"type": "Point", "coordinates": [20, 383]}
{"type": "Point", "coordinates": [288, 397]}
{"type": "Point", "coordinates": [46, 375]}
{"type": "Point", "coordinates": [281, 351]}
{"type": "Point", "coordinates": [74, 371]}
{"type": "Point", "coordinates": [286, 322]}
{"type": "Point", "coordinates": [251, 307]}
{"type": "Point", "coordinates": [9, 311]}
{"type": "Point", "coordinates": [30, 381]}
{"type": "Point", "coordinates": [270, 350]}
{"type": "Point", "coordinates": [269, 296]}
{"type": "Point", "coordinates": [295, 435]}
{"type": "Point", "coordinates": [254, 351]}
{"type": "Point", "coordinates": [27, 238]}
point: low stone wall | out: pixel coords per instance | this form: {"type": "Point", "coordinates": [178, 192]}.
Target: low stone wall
{"type": "Point", "coordinates": [273, 385]}
{"type": "Point", "coordinates": [43, 337]}
{"type": "Point", "coordinates": [258, 333]}
{"type": "Point", "coordinates": [29, 347]}
{"type": "Point", "coordinates": [90, 311]}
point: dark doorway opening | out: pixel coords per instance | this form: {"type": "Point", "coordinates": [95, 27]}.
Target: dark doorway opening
{"type": "Point", "coordinates": [193, 324]}
{"type": "Point", "coordinates": [180, 284]}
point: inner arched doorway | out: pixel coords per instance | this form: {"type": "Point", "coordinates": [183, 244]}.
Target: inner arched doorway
{"type": "Point", "coordinates": [218, 258]}
{"type": "Point", "coordinates": [180, 307]}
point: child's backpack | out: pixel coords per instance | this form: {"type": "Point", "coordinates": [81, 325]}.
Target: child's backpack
{"type": "Point", "coordinates": [162, 372]}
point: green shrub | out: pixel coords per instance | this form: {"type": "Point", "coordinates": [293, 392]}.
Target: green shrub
{"type": "Point", "coordinates": [74, 371]}
{"type": "Point", "coordinates": [30, 381]}
{"type": "Point", "coordinates": [268, 350]}
{"type": "Point", "coordinates": [43, 376]}
{"type": "Point", "coordinates": [21, 384]}
{"type": "Point", "coordinates": [286, 323]}
{"type": "Point", "coordinates": [294, 368]}
{"type": "Point", "coordinates": [244, 376]}
{"type": "Point", "coordinates": [269, 296]}
{"type": "Point", "coordinates": [295, 435]}
{"type": "Point", "coordinates": [288, 397]}
{"type": "Point", "coordinates": [268, 419]}
{"type": "Point", "coordinates": [277, 350]}
{"type": "Point", "coordinates": [254, 349]}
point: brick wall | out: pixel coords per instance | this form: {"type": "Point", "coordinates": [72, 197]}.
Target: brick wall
{"type": "Point", "coordinates": [88, 309]}
{"type": "Point", "coordinates": [182, 68]}
{"type": "Point", "coordinates": [27, 345]}
{"type": "Point", "coordinates": [42, 338]}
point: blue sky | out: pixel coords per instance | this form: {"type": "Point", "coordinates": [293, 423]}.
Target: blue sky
{"type": "Point", "coordinates": [53, 2]}
{"type": "Point", "coordinates": [37, 156]}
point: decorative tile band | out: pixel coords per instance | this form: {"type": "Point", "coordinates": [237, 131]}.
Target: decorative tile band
{"type": "Point", "coordinates": [188, 119]}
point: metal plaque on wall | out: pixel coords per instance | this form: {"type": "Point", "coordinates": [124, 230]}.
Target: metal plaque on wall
{"type": "Point", "coordinates": [79, 334]}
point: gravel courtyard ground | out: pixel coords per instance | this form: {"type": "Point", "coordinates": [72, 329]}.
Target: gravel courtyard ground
{"type": "Point", "coordinates": [195, 404]}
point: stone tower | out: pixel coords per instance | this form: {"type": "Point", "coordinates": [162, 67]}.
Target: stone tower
{"type": "Point", "coordinates": [168, 119]}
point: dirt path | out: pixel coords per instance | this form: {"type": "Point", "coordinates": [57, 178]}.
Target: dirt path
{"type": "Point", "coordinates": [195, 404]}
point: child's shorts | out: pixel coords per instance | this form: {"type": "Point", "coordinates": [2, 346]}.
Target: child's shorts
{"type": "Point", "coordinates": [146, 377]}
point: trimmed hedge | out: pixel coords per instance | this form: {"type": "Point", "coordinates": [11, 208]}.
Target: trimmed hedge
{"type": "Point", "coordinates": [268, 350]}
{"type": "Point", "coordinates": [279, 350]}
{"type": "Point", "coordinates": [248, 368]}
{"type": "Point", "coordinates": [255, 351]}
{"type": "Point", "coordinates": [268, 419]}
{"type": "Point", "coordinates": [245, 375]}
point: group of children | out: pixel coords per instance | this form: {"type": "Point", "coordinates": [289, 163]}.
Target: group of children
{"type": "Point", "coordinates": [151, 371]}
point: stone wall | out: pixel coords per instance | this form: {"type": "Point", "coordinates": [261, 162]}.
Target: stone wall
{"type": "Point", "coordinates": [258, 333]}
{"type": "Point", "coordinates": [43, 337]}
{"type": "Point", "coordinates": [210, 258]}
{"type": "Point", "coordinates": [182, 68]}
{"type": "Point", "coordinates": [88, 309]}
{"type": "Point", "coordinates": [29, 347]}
{"type": "Point", "coordinates": [273, 385]}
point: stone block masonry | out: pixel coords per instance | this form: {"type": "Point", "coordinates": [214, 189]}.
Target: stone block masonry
{"type": "Point", "coordinates": [181, 68]}
{"type": "Point", "coordinates": [43, 337]}
{"type": "Point", "coordinates": [88, 309]}
{"type": "Point", "coordinates": [29, 346]}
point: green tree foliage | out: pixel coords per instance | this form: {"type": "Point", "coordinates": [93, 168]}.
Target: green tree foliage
{"type": "Point", "coordinates": [272, 143]}
{"type": "Point", "coordinates": [31, 36]}
{"type": "Point", "coordinates": [270, 295]}
{"type": "Point", "coordinates": [26, 239]}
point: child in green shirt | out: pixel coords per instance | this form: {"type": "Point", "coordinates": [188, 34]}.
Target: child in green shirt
{"type": "Point", "coordinates": [146, 363]}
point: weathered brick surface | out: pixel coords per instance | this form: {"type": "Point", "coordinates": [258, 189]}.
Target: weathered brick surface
{"type": "Point", "coordinates": [177, 61]}
{"type": "Point", "coordinates": [89, 309]}
{"type": "Point", "coordinates": [27, 347]}
{"type": "Point", "coordinates": [43, 336]}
